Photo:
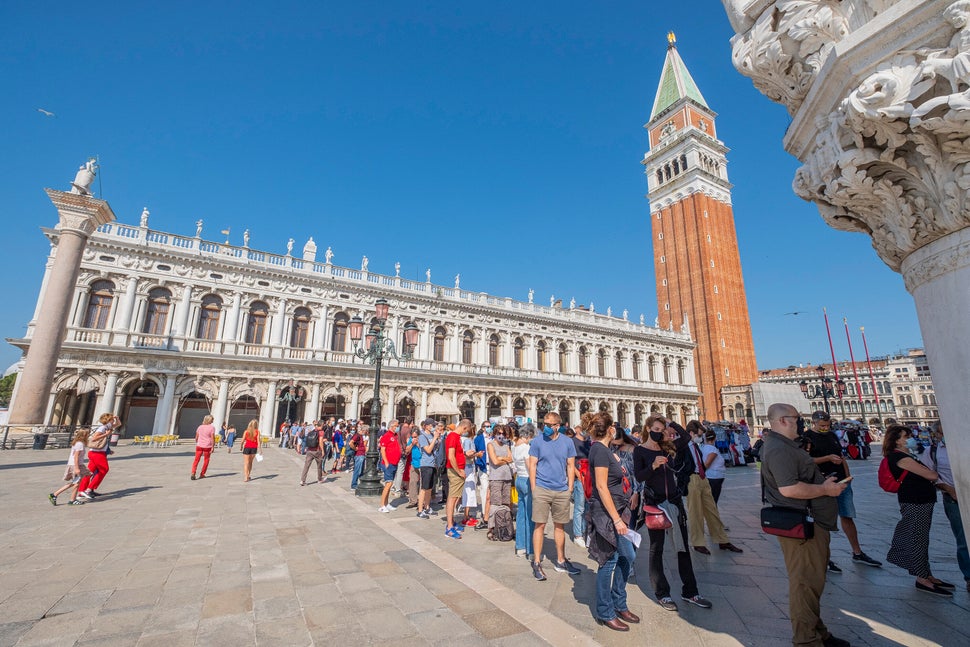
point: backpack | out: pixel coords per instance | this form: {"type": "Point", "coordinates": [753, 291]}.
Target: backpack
{"type": "Point", "coordinates": [887, 481]}
{"type": "Point", "coordinates": [313, 439]}
{"type": "Point", "coordinates": [500, 524]}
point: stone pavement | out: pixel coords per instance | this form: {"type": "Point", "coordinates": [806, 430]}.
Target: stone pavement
{"type": "Point", "coordinates": [162, 560]}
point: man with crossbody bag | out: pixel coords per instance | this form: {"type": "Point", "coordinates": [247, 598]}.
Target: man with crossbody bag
{"type": "Point", "coordinates": [792, 480]}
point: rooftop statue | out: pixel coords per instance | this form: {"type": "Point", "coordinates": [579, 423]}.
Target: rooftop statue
{"type": "Point", "coordinates": [84, 177]}
{"type": "Point", "coordinates": [144, 217]}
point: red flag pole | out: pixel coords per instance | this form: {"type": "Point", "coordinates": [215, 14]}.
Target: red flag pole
{"type": "Point", "coordinates": [831, 347]}
{"type": "Point", "coordinates": [858, 385]}
{"type": "Point", "coordinates": [872, 379]}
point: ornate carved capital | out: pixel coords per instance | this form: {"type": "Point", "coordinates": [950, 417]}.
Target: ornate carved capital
{"type": "Point", "coordinates": [888, 154]}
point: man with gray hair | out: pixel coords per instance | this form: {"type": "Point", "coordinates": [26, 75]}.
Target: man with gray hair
{"type": "Point", "coordinates": [791, 479]}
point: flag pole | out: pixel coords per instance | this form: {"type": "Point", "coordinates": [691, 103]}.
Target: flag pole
{"type": "Point", "coordinates": [858, 385]}
{"type": "Point", "coordinates": [835, 366]}
{"type": "Point", "coordinates": [872, 379]}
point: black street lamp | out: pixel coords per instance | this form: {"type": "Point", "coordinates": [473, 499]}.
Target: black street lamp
{"type": "Point", "coordinates": [824, 391]}
{"type": "Point", "coordinates": [377, 347]}
{"type": "Point", "coordinates": [292, 394]}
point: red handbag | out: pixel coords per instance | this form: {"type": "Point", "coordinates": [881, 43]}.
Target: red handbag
{"type": "Point", "coordinates": [655, 517]}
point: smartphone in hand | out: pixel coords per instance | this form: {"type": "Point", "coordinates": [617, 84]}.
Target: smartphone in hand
{"type": "Point", "coordinates": [845, 480]}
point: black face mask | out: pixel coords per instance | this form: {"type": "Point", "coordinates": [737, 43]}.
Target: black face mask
{"type": "Point", "coordinates": [656, 436]}
{"type": "Point", "coordinates": [618, 435]}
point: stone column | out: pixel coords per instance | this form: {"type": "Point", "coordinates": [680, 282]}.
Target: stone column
{"type": "Point", "coordinates": [423, 407]}
{"type": "Point", "coordinates": [79, 216]}
{"type": "Point", "coordinates": [232, 324]}
{"type": "Point", "coordinates": [127, 308]}
{"type": "Point", "coordinates": [354, 402]}
{"type": "Point", "coordinates": [315, 402]}
{"type": "Point", "coordinates": [107, 402]}
{"type": "Point", "coordinates": [267, 411]}
{"type": "Point", "coordinates": [483, 402]}
{"type": "Point", "coordinates": [879, 122]}
{"type": "Point", "coordinates": [279, 323]}
{"type": "Point", "coordinates": [183, 310]}
{"type": "Point", "coordinates": [222, 402]}
{"type": "Point", "coordinates": [320, 330]}
{"type": "Point", "coordinates": [165, 408]}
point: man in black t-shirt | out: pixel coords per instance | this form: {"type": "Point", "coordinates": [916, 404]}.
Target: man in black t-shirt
{"type": "Point", "coordinates": [824, 447]}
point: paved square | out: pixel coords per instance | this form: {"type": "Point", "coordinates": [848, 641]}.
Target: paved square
{"type": "Point", "coordinates": [162, 560]}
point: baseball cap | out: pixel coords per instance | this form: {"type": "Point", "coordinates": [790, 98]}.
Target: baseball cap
{"type": "Point", "coordinates": [821, 415]}
{"type": "Point", "coordinates": [429, 421]}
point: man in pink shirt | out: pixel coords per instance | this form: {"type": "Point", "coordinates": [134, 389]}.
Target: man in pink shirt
{"type": "Point", "coordinates": [390, 448]}
{"type": "Point", "coordinates": [205, 437]}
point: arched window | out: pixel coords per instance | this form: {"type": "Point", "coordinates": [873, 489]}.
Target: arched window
{"type": "Point", "coordinates": [619, 364]}
{"type": "Point", "coordinates": [300, 335]}
{"type": "Point", "coordinates": [879, 388]}
{"type": "Point", "coordinates": [683, 162]}
{"type": "Point", "coordinates": [666, 370]}
{"type": "Point", "coordinates": [583, 353]}
{"type": "Point", "coordinates": [494, 407]}
{"type": "Point", "coordinates": [563, 356]}
{"type": "Point", "coordinates": [636, 369]}
{"type": "Point", "coordinates": [584, 407]}
{"type": "Point", "coordinates": [338, 338]}
{"type": "Point", "coordinates": [541, 356]}
{"type": "Point", "coordinates": [99, 305]}
{"type": "Point", "coordinates": [518, 407]}
{"type": "Point", "coordinates": [467, 341]}
{"type": "Point", "coordinates": [621, 414]}
{"type": "Point", "coordinates": [517, 346]}
{"type": "Point", "coordinates": [660, 176]}
{"type": "Point", "coordinates": [865, 388]}
{"type": "Point", "coordinates": [209, 316]}
{"type": "Point", "coordinates": [680, 371]}
{"type": "Point", "coordinates": [256, 322]}
{"type": "Point", "coordinates": [159, 303]}
{"type": "Point", "coordinates": [493, 349]}
{"type": "Point", "coordinates": [601, 363]}
{"type": "Point", "coordinates": [439, 344]}
{"type": "Point", "coordinates": [652, 368]}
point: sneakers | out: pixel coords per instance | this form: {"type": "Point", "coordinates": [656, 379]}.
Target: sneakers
{"type": "Point", "coordinates": [565, 566]}
{"type": "Point", "coordinates": [383, 508]}
{"type": "Point", "coordinates": [935, 589]}
{"type": "Point", "coordinates": [86, 495]}
{"type": "Point", "coordinates": [537, 572]}
{"type": "Point", "coordinates": [697, 600]}
{"type": "Point", "coordinates": [192, 477]}
{"type": "Point", "coordinates": [52, 498]}
{"type": "Point", "coordinates": [302, 483]}
{"type": "Point", "coordinates": [862, 558]}
{"type": "Point", "coordinates": [833, 568]}
{"type": "Point", "coordinates": [390, 508]}
{"type": "Point", "coordinates": [76, 502]}
{"type": "Point", "coordinates": [422, 515]}
{"type": "Point", "coordinates": [430, 512]}
{"type": "Point", "coordinates": [93, 493]}
{"type": "Point", "coordinates": [458, 528]}
{"type": "Point", "coordinates": [668, 604]}
{"type": "Point", "coordinates": [520, 552]}
{"type": "Point", "coordinates": [454, 534]}
{"type": "Point", "coordinates": [481, 525]}
{"type": "Point", "coordinates": [579, 541]}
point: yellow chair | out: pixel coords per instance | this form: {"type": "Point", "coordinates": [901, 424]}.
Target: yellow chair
{"type": "Point", "coordinates": [264, 440]}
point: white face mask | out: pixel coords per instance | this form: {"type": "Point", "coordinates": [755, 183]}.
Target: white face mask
{"type": "Point", "coordinates": [699, 440]}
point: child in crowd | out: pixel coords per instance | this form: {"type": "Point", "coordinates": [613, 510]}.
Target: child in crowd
{"type": "Point", "coordinates": [75, 468]}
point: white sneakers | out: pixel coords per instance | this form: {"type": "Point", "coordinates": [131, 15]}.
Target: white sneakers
{"type": "Point", "coordinates": [386, 508]}
{"type": "Point", "coordinates": [579, 541]}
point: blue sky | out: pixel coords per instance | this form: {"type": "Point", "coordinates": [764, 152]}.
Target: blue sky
{"type": "Point", "coordinates": [497, 140]}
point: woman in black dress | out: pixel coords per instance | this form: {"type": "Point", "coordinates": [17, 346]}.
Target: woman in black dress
{"type": "Point", "coordinates": [910, 548]}
{"type": "Point", "coordinates": [653, 465]}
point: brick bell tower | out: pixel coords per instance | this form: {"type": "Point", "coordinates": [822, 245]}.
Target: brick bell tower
{"type": "Point", "coordinates": [695, 247]}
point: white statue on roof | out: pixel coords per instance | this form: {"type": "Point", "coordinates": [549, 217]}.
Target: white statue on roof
{"type": "Point", "coordinates": [84, 178]}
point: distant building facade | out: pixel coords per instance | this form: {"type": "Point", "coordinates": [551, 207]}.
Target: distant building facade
{"type": "Point", "coordinates": [700, 286]}
{"type": "Point", "coordinates": [899, 386]}
{"type": "Point", "coordinates": [166, 328]}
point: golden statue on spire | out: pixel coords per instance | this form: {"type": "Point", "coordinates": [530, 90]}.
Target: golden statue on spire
{"type": "Point", "coordinates": [671, 39]}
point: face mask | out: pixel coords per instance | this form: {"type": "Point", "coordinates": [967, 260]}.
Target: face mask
{"type": "Point", "coordinates": [911, 444]}
{"type": "Point", "coordinates": [548, 431]}
{"type": "Point", "coordinates": [656, 436]}
{"type": "Point", "coordinates": [699, 440]}
{"type": "Point", "coordinates": [500, 440]}
{"type": "Point", "coordinates": [823, 431]}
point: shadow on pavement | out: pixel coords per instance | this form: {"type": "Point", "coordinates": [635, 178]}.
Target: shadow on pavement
{"type": "Point", "coordinates": [120, 494]}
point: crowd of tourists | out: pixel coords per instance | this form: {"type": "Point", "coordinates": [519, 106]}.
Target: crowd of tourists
{"type": "Point", "coordinates": [611, 489]}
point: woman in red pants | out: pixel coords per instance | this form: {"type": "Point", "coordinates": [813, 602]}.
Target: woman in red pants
{"type": "Point", "coordinates": [98, 456]}
{"type": "Point", "coordinates": [205, 437]}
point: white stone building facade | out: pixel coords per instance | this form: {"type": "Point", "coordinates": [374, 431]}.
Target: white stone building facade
{"type": "Point", "coordinates": [165, 328]}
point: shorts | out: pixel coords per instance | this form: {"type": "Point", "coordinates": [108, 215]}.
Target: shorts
{"type": "Point", "coordinates": [389, 472]}
{"type": "Point", "coordinates": [250, 450]}
{"type": "Point", "coordinates": [456, 483]}
{"type": "Point", "coordinates": [73, 477]}
{"type": "Point", "coordinates": [846, 505]}
{"type": "Point", "coordinates": [545, 501]}
{"type": "Point", "coordinates": [427, 477]}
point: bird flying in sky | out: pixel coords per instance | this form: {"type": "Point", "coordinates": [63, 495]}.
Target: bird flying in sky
{"type": "Point", "coordinates": [46, 113]}
{"type": "Point", "coordinates": [796, 313]}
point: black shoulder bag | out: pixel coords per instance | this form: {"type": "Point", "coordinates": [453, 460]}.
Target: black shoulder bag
{"type": "Point", "coordinates": [786, 522]}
